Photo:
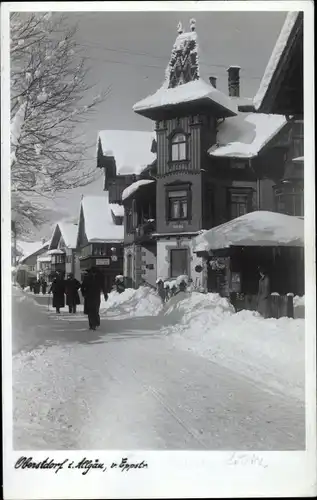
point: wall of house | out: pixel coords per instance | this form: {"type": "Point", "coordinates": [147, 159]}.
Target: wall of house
{"type": "Point", "coordinates": [148, 264]}
{"type": "Point", "coordinates": [195, 223]}
{"type": "Point", "coordinates": [164, 245]}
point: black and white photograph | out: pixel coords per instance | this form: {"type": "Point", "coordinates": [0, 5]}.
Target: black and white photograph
{"type": "Point", "coordinates": [161, 268]}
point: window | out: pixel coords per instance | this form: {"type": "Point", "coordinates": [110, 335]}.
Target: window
{"type": "Point", "coordinates": [179, 262]}
{"type": "Point", "coordinates": [178, 205]}
{"type": "Point", "coordinates": [178, 202]}
{"type": "Point", "coordinates": [290, 200]}
{"type": "Point", "coordinates": [178, 147]}
{"type": "Point", "coordinates": [240, 202]}
{"type": "Point", "coordinates": [99, 249]}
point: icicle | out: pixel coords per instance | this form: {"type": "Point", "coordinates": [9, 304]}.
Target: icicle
{"type": "Point", "coordinates": [180, 28]}
{"type": "Point", "coordinates": [192, 24]}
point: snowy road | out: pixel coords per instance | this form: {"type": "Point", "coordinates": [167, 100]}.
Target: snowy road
{"type": "Point", "coordinates": [127, 386]}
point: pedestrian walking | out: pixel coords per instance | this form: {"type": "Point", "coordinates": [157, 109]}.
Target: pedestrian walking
{"type": "Point", "coordinates": [37, 287]}
{"type": "Point", "coordinates": [263, 303]}
{"type": "Point", "coordinates": [44, 286]}
{"type": "Point", "coordinates": [160, 289]}
{"type": "Point", "coordinates": [71, 291]}
{"type": "Point", "coordinates": [92, 287]}
{"type": "Point", "coordinates": [58, 291]}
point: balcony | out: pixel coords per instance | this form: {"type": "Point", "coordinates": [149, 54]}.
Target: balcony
{"type": "Point", "coordinates": [144, 231]}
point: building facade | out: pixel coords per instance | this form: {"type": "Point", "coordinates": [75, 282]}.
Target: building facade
{"type": "Point", "coordinates": [216, 158]}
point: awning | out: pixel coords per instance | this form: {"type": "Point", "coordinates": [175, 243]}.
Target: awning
{"type": "Point", "coordinates": [259, 228]}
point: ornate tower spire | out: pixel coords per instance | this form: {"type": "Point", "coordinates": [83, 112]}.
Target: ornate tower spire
{"type": "Point", "coordinates": [183, 66]}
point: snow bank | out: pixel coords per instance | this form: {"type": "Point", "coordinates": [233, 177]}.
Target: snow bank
{"type": "Point", "coordinates": [260, 228]}
{"type": "Point", "coordinates": [99, 224]}
{"type": "Point", "coordinates": [134, 187]}
{"type": "Point", "coordinates": [130, 148]}
{"type": "Point", "coordinates": [132, 303]}
{"type": "Point", "coordinates": [275, 57]}
{"type": "Point", "coordinates": [118, 210]}
{"type": "Point", "coordinates": [269, 351]}
{"type": "Point", "coordinates": [246, 134]}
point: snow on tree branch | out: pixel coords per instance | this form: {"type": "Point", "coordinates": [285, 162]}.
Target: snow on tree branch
{"type": "Point", "coordinates": [49, 97]}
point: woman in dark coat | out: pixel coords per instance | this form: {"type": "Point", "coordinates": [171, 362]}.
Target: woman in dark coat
{"type": "Point", "coordinates": [263, 305]}
{"type": "Point", "coordinates": [92, 287]}
{"type": "Point", "coordinates": [58, 291]}
{"type": "Point", "coordinates": [71, 290]}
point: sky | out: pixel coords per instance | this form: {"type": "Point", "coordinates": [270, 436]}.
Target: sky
{"type": "Point", "coordinates": [129, 51]}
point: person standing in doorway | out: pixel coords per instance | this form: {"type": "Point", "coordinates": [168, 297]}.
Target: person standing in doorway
{"type": "Point", "coordinates": [92, 287]}
{"type": "Point", "coordinates": [58, 291]}
{"type": "Point", "coordinates": [71, 290]}
{"type": "Point", "coordinates": [263, 305]}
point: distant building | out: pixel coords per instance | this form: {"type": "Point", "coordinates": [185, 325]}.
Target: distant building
{"type": "Point", "coordinates": [29, 264]}
{"type": "Point", "coordinates": [128, 156]}
{"type": "Point", "coordinates": [62, 249]}
{"type": "Point", "coordinates": [100, 237]}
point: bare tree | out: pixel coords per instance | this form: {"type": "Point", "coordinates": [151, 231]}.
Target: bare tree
{"type": "Point", "coordinates": [48, 92]}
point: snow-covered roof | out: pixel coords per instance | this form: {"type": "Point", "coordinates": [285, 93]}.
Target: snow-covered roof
{"type": "Point", "coordinates": [246, 134]}
{"type": "Point", "coordinates": [68, 232]}
{"type": "Point", "coordinates": [130, 148]}
{"type": "Point", "coordinates": [134, 187]}
{"type": "Point", "coordinates": [56, 251]}
{"type": "Point", "coordinates": [44, 258]}
{"type": "Point", "coordinates": [275, 57]}
{"type": "Point", "coordinates": [259, 228]}
{"type": "Point", "coordinates": [118, 210]}
{"type": "Point", "coordinates": [29, 248]}
{"type": "Point", "coordinates": [99, 225]}
{"type": "Point", "coordinates": [188, 92]}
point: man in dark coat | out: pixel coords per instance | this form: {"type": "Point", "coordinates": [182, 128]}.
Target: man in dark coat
{"type": "Point", "coordinates": [263, 305]}
{"type": "Point", "coordinates": [58, 291]}
{"type": "Point", "coordinates": [44, 286]}
{"type": "Point", "coordinates": [92, 286]}
{"type": "Point", "coordinates": [71, 290]}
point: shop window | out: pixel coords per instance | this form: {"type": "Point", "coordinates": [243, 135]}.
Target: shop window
{"type": "Point", "coordinates": [178, 262]}
{"type": "Point", "coordinates": [178, 147]}
{"type": "Point", "coordinates": [178, 202]}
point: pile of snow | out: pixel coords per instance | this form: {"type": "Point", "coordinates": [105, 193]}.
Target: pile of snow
{"type": "Point", "coordinates": [99, 224]}
{"type": "Point", "coordinates": [260, 228]}
{"type": "Point", "coordinates": [132, 303]}
{"type": "Point", "coordinates": [130, 148]}
{"type": "Point", "coordinates": [134, 187]}
{"type": "Point", "coordinates": [246, 134]}
{"type": "Point", "coordinates": [299, 301]}
{"type": "Point", "coordinates": [117, 210]}
{"type": "Point", "coordinates": [276, 55]}
{"type": "Point", "coordinates": [269, 351]}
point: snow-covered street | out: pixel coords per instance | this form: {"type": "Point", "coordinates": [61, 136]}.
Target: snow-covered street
{"type": "Point", "coordinates": [142, 382]}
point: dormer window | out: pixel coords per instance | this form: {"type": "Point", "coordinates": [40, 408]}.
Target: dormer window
{"type": "Point", "coordinates": [178, 147]}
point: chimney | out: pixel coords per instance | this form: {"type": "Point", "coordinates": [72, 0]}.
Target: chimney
{"type": "Point", "coordinates": [234, 81]}
{"type": "Point", "coordinates": [213, 81]}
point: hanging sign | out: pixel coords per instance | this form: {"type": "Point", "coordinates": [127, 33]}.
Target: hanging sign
{"type": "Point", "coordinates": [102, 262]}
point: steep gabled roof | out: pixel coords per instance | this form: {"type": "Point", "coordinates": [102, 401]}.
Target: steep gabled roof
{"type": "Point", "coordinates": [32, 248]}
{"type": "Point", "coordinates": [280, 52]}
{"type": "Point", "coordinates": [68, 231]}
{"type": "Point", "coordinates": [98, 220]}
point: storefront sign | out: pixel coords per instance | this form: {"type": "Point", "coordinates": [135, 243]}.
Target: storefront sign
{"type": "Point", "coordinates": [102, 262]}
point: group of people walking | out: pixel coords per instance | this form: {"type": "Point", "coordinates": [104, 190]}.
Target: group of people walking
{"type": "Point", "coordinates": [91, 288]}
